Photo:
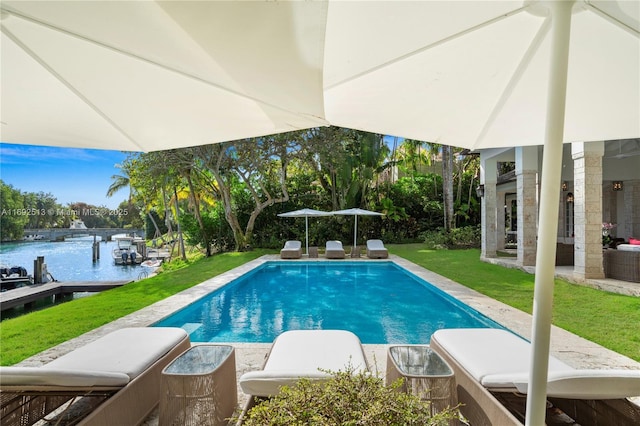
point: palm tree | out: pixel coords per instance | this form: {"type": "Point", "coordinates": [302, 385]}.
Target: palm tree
{"type": "Point", "coordinates": [121, 181]}
{"type": "Point", "coordinates": [413, 155]}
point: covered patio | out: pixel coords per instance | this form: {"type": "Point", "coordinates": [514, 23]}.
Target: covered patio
{"type": "Point", "coordinates": [600, 185]}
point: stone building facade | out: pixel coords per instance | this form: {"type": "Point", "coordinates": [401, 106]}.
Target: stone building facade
{"type": "Point", "coordinates": [600, 184]}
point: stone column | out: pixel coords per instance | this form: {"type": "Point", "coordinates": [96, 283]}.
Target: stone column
{"type": "Point", "coordinates": [489, 178]}
{"type": "Point", "coordinates": [527, 195]}
{"type": "Point", "coordinates": [587, 173]}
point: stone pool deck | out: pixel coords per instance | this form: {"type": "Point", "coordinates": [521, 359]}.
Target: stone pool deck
{"type": "Point", "coordinates": [572, 349]}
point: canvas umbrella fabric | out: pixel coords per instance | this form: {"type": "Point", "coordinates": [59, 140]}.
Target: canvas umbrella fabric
{"type": "Point", "coordinates": [477, 74]}
{"type": "Point", "coordinates": [355, 213]}
{"type": "Point", "coordinates": [306, 213]}
{"type": "Point", "coordinates": [151, 75]}
{"type": "Point", "coordinates": [145, 76]}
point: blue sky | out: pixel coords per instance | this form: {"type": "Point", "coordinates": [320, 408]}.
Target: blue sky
{"type": "Point", "coordinates": [70, 174]}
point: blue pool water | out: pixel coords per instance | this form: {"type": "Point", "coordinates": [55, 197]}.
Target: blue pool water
{"type": "Point", "coordinates": [378, 301]}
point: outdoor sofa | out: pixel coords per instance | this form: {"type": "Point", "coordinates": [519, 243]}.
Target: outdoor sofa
{"type": "Point", "coordinates": [292, 250]}
{"type": "Point", "coordinates": [114, 379]}
{"type": "Point", "coordinates": [491, 368]}
{"type": "Point", "coordinates": [376, 250]}
{"type": "Point", "coordinates": [334, 250]}
{"type": "Point", "coordinates": [623, 263]}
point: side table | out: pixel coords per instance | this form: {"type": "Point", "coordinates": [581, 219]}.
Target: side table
{"type": "Point", "coordinates": [425, 374]}
{"type": "Point", "coordinates": [199, 387]}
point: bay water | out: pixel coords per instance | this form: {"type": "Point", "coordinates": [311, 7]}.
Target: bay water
{"type": "Point", "coordinates": [69, 260]}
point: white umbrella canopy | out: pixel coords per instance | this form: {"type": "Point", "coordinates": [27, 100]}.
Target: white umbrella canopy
{"type": "Point", "coordinates": [475, 74]}
{"type": "Point", "coordinates": [356, 212]}
{"type": "Point", "coordinates": [306, 213]}
{"type": "Point", "coordinates": [147, 76]}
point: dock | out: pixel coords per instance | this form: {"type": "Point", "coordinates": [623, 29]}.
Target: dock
{"type": "Point", "coordinates": [31, 293]}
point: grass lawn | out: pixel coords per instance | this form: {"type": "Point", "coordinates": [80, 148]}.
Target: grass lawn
{"type": "Point", "coordinates": [608, 319]}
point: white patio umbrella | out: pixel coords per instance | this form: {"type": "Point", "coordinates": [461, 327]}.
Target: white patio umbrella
{"type": "Point", "coordinates": [356, 212]}
{"type": "Point", "coordinates": [475, 74]}
{"type": "Point", "coordinates": [306, 213]}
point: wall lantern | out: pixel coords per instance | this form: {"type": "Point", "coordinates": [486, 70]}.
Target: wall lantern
{"type": "Point", "coordinates": [480, 191]}
{"type": "Point", "coordinates": [564, 185]}
{"type": "Point", "coordinates": [617, 185]}
{"type": "Point", "coordinates": [570, 197]}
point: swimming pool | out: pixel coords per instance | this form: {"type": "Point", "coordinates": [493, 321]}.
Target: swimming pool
{"type": "Point", "coordinates": [380, 302]}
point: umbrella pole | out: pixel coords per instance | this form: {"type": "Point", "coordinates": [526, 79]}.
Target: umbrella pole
{"type": "Point", "coordinates": [306, 232]}
{"type": "Point", "coordinates": [548, 225]}
{"type": "Point", "coordinates": [355, 234]}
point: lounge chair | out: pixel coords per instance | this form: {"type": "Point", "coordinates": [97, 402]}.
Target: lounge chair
{"type": "Point", "coordinates": [376, 250]}
{"type": "Point", "coordinates": [334, 250]}
{"type": "Point", "coordinates": [304, 353]}
{"type": "Point", "coordinates": [117, 376]}
{"type": "Point", "coordinates": [491, 367]}
{"type": "Point", "coordinates": [292, 250]}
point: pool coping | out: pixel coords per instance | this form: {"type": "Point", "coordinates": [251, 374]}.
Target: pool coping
{"type": "Point", "coordinates": [574, 350]}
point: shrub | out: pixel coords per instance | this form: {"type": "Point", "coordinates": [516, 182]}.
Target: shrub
{"type": "Point", "coordinates": [346, 398]}
{"type": "Point", "coordinates": [457, 238]}
{"type": "Point", "coordinates": [466, 237]}
{"type": "Point", "coordinates": [436, 240]}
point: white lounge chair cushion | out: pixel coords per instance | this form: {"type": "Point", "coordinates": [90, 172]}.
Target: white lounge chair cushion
{"type": "Point", "coordinates": [488, 351]}
{"type": "Point", "coordinates": [375, 245]}
{"type": "Point", "coordinates": [292, 245]}
{"type": "Point", "coordinates": [129, 350]}
{"type": "Point", "coordinates": [304, 353]}
{"type": "Point", "coordinates": [43, 376]}
{"type": "Point", "coordinates": [628, 247]}
{"type": "Point", "coordinates": [376, 249]}
{"type": "Point", "coordinates": [499, 360]}
{"type": "Point", "coordinates": [575, 384]}
{"type": "Point", "coordinates": [334, 246]}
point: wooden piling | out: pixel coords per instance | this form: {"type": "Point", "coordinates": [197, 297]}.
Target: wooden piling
{"type": "Point", "coordinates": [37, 270]}
{"type": "Point", "coordinates": [95, 250]}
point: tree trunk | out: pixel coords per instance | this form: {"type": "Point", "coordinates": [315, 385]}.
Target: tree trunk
{"type": "Point", "coordinates": [232, 219]}
{"type": "Point", "coordinates": [180, 238]}
{"type": "Point", "coordinates": [196, 206]}
{"type": "Point", "coordinates": [447, 186]}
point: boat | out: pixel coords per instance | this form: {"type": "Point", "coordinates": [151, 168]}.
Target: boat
{"type": "Point", "coordinates": [152, 263]}
{"type": "Point", "coordinates": [14, 277]}
{"type": "Point", "coordinates": [33, 237]}
{"type": "Point", "coordinates": [77, 224]}
{"type": "Point", "coordinates": [126, 253]}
